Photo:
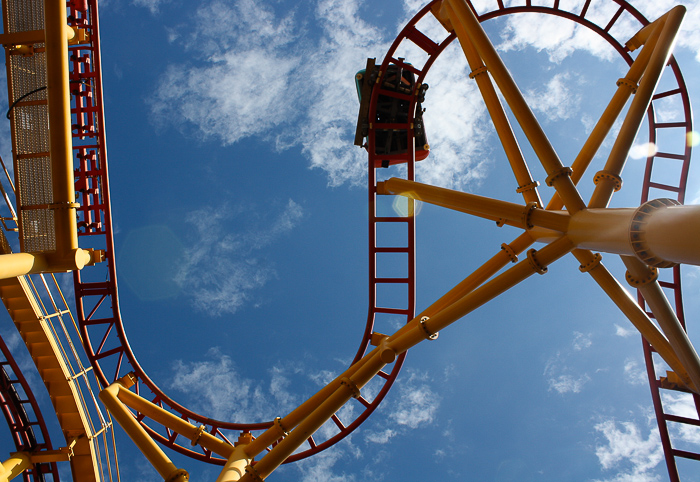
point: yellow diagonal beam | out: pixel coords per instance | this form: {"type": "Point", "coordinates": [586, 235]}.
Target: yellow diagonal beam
{"type": "Point", "coordinates": [667, 31]}
{"type": "Point", "coordinates": [526, 184]}
{"type": "Point", "coordinates": [558, 175]}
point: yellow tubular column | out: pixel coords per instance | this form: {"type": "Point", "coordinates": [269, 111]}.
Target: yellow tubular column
{"type": "Point", "coordinates": [639, 106]}
{"type": "Point", "coordinates": [15, 465]}
{"type": "Point", "coordinates": [236, 463]}
{"type": "Point", "coordinates": [536, 262]}
{"type": "Point", "coordinates": [508, 253]}
{"type": "Point", "coordinates": [645, 280]}
{"type": "Point", "coordinates": [348, 387]}
{"type": "Point", "coordinates": [629, 307]}
{"type": "Point", "coordinates": [497, 114]}
{"type": "Point", "coordinates": [68, 255]}
{"type": "Point", "coordinates": [19, 264]}
{"type": "Point", "coordinates": [514, 214]}
{"type": "Point", "coordinates": [154, 454]}
{"type": "Point", "coordinates": [606, 121]}
{"type": "Point", "coordinates": [655, 232]}
{"type": "Point", "coordinates": [558, 177]}
{"type": "Point", "coordinates": [175, 423]}
{"type": "Point", "coordinates": [297, 415]}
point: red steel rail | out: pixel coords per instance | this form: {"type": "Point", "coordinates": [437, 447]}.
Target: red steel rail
{"type": "Point", "coordinates": [23, 416]}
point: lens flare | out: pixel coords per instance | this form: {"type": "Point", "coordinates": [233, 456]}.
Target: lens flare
{"type": "Point", "coordinates": [403, 207]}
{"type": "Point", "coordinates": [640, 151]}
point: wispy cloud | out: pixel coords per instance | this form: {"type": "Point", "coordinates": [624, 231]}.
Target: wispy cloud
{"type": "Point", "coordinates": [220, 267]}
{"type": "Point", "coordinates": [560, 375]}
{"type": "Point", "coordinates": [416, 405]}
{"type": "Point", "coordinates": [624, 332]}
{"type": "Point", "coordinates": [565, 37]}
{"type": "Point", "coordinates": [634, 373]}
{"type": "Point", "coordinates": [152, 5]}
{"type": "Point", "coordinates": [219, 390]}
{"type": "Point", "coordinates": [628, 451]}
{"type": "Point", "coordinates": [555, 100]}
{"type": "Point", "coordinates": [582, 341]}
{"type": "Point", "coordinates": [254, 73]}
{"type": "Point", "coordinates": [320, 467]}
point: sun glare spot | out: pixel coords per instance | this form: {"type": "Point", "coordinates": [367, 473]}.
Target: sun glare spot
{"type": "Point", "coordinates": [640, 151]}
{"type": "Point", "coordinates": [402, 207]}
{"type": "Point", "coordinates": [692, 138]}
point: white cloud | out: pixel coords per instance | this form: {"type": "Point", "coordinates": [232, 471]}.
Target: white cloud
{"type": "Point", "coordinates": [627, 450]}
{"type": "Point", "coordinates": [319, 468]}
{"type": "Point", "coordinates": [559, 374]}
{"type": "Point", "coordinates": [582, 341]}
{"type": "Point", "coordinates": [562, 39]}
{"type": "Point", "coordinates": [417, 405]}
{"type": "Point", "coordinates": [634, 374]}
{"type": "Point", "coordinates": [568, 383]}
{"type": "Point", "coordinates": [220, 268]}
{"type": "Point", "coordinates": [240, 84]}
{"type": "Point", "coordinates": [624, 332]}
{"type": "Point", "coordinates": [380, 437]}
{"type": "Point", "coordinates": [253, 73]}
{"type": "Point", "coordinates": [413, 405]}
{"type": "Point", "coordinates": [555, 100]}
{"type": "Point", "coordinates": [217, 389]}
{"type": "Point", "coordinates": [644, 150]}
{"type": "Point", "coordinates": [152, 5]}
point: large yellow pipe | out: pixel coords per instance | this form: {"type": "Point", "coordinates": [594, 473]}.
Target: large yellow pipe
{"type": "Point", "coordinates": [621, 297]}
{"type": "Point", "coordinates": [639, 106]}
{"type": "Point", "coordinates": [346, 388]}
{"type": "Point", "coordinates": [19, 264]}
{"type": "Point", "coordinates": [235, 465]}
{"type": "Point", "coordinates": [60, 140]}
{"type": "Point", "coordinates": [174, 423]}
{"type": "Point", "coordinates": [607, 119]}
{"type": "Point", "coordinates": [515, 214]}
{"type": "Point", "coordinates": [151, 450]}
{"type": "Point", "coordinates": [497, 114]}
{"type": "Point", "coordinates": [665, 316]}
{"type": "Point", "coordinates": [15, 465]}
{"type": "Point", "coordinates": [536, 262]}
{"type": "Point", "coordinates": [549, 159]}
{"type": "Point", "coordinates": [667, 234]}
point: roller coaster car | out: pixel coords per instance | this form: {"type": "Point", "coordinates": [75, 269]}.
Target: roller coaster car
{"type": "Point", "coordinates": [391, 110]}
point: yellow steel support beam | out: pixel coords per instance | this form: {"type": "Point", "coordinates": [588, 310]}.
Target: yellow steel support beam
{"type": "Point", "coordinates": [526, 185]}
{"type": "Point", "coordinates": [151, 450]}
{"type": "Point", "coordinates": [626, 86]}
{"type": "Point", "coordinates": [237, 461]}
{"type": "Point", "coordinates": [514, 214]}
{"type": "Point", "coordinates": [665, 234]}
{"type": "Point", "coordinates": [15, 465]}
{"type": "Point", "coordinates": [60, 140]}
{"type": "Point", "coordinates": [621, 297]}
{"type": "Point", "coordinates": [173, 422]}
{"type": "Point", "coordinates": [508, 254]}
{"type": "Point", "coordinates": [319, 408]}
{"type": "Point", "coordinates": [57, 34]}
{"type": "Point", "coordinates": [646, 281]}
{"type": "Point", "coordinates": [558, 175]}
{"type": "Point", "coordinates": [667, 31]}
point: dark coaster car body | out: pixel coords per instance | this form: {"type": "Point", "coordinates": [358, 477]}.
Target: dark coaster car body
{"type": "Point", "coordinates": [393, 110]}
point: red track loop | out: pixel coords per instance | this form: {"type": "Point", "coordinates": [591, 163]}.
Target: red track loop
{"type": "Point", "coordinates": [23, 416]}
{"type": "Point", "coordinates": [96, 287]}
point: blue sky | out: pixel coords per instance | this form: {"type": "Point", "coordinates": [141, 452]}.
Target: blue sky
{"type": "Point", "coordinates": [239, 205]}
